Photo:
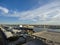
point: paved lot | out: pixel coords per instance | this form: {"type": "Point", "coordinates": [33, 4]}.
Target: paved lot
{"type": "Point", "coordinates": [53, 36]}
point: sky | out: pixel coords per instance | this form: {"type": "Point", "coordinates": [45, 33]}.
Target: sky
{"type": "Point", "coordinates": [30, 12]}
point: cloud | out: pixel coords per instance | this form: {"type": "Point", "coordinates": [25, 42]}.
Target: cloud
{"type": "Point", "coordinates": [46, 14]}
{"type": "Point", "coordinates": [3, 9]}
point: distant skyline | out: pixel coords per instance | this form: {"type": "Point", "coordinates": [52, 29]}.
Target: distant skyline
{"type": "Point", "coordinates": [30, 12]}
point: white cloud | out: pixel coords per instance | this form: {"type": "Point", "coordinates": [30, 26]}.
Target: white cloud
{"type": "Point", "coordinates": [4, 10]}
{"type": "Point", "coordinates": [48, 13]}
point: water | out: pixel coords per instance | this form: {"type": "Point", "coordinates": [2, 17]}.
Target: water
{"type": "Point", "coordinates": [54, 30]}
{"type": "Point", "coordinates": [46, 29]}
{"type": "Point", "coordinates": [38, 29]}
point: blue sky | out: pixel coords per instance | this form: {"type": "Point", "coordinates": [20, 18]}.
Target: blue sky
{"type": "Point", "coordinates": [29, 11]}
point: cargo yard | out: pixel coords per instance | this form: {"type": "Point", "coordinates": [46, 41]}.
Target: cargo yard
{"type": "Point", "coordinates": [26, 34]}
{"type": "Point", "coordinates": [29, 22]}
